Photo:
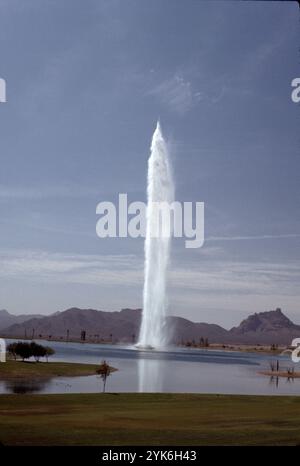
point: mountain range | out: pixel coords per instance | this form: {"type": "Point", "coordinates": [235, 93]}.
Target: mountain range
{"type": "Point", "coordinates": [271, 327]}
{"type": "Point", "coordinates": [7, 319]}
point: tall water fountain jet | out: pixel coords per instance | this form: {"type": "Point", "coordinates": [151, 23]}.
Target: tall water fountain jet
{"type": "Point", "coordinates": [160, 189]}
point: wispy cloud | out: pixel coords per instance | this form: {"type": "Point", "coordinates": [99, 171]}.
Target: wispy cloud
{"type": "Point", "coordinates": [210, 276]}
{"type": "Point", "coordinates": [104, 270]}
{"type": "Point", "coordinates": [177, 93]}
{"type": "Point", "coordinates": [43, 192]}
{"type": "Point", "coordinates": [253, 237]}
{"type": "Point", "coordinates": [217, 277]}
{"type": "Point", "coordinates": [208, 290]}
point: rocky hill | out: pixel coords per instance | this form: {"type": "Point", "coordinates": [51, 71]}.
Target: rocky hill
{"type": "Point", "coordinates": [7, 319]}
{"type": "Point", "coordinates": [268, 327]}
{"type": "Point", "coordinates": [271, 327]}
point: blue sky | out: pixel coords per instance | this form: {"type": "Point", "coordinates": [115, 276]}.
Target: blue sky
{"type": "Point", "coordinates": [86, 82]}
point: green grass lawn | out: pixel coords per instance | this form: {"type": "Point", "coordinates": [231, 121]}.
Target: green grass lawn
{"type": "Point", "coordinates": [149, 419]}
{"type": "Point", "coordinates": [16, 370]}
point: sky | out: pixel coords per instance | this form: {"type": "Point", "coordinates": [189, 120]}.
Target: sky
{"type": "Point", "coordinates": [86, 83]}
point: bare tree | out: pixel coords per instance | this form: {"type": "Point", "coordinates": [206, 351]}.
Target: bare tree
{"type": "Point", "coordinates": [272, 365]}
{"type": "Point", "coordinates": [104, 371]}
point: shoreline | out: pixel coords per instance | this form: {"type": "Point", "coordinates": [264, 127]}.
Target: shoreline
{"type": "Point", "coordinates": [19, 370]}
{"type": "Point", "coordinates": [226, 347]}
{"type": "Point", "coordinates": [283, 374]}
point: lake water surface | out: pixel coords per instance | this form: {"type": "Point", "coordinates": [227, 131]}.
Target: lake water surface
{"type": "Point", "coordinates": [177, 370]}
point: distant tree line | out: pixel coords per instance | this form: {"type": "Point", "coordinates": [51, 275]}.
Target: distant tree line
{"type": "Point", "coordinates": [203, 343]}
{"type": "Point", "coordinates": [84, 336]}
{"type": "Point", "coordinates": [25, 350]}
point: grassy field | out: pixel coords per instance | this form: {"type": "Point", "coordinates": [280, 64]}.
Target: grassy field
{"type": "Point", "coordinates": [149, 419]}
{"type": "Point", "coordinates": [17, 370]}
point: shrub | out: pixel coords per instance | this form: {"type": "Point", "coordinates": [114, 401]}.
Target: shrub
{"type": "Point", "coordinates": [23, 350]}
{"type": "Point", "coordinates": [37, 351]}
{"type": "Point", "coordinates": [27, 350]}
{"type": "Point", "coordinates": [49, 352]}
{"type": "Point", "coordinates": [12, 350]}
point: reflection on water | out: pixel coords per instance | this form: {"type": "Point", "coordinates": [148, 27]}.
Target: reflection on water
{"type": "Point", "coordinates": [150, 375]}
{"type": "Point", "coordinates": [25, 386]}
{"type": "Point", "coordinates": [274, 380]}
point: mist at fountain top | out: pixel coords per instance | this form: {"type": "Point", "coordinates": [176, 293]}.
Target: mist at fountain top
{"type": "Point", "coordinates": [160, 188]}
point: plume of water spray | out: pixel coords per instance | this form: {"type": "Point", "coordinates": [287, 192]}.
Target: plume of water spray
{"type": "Point", "coordinates": [160, 189]}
